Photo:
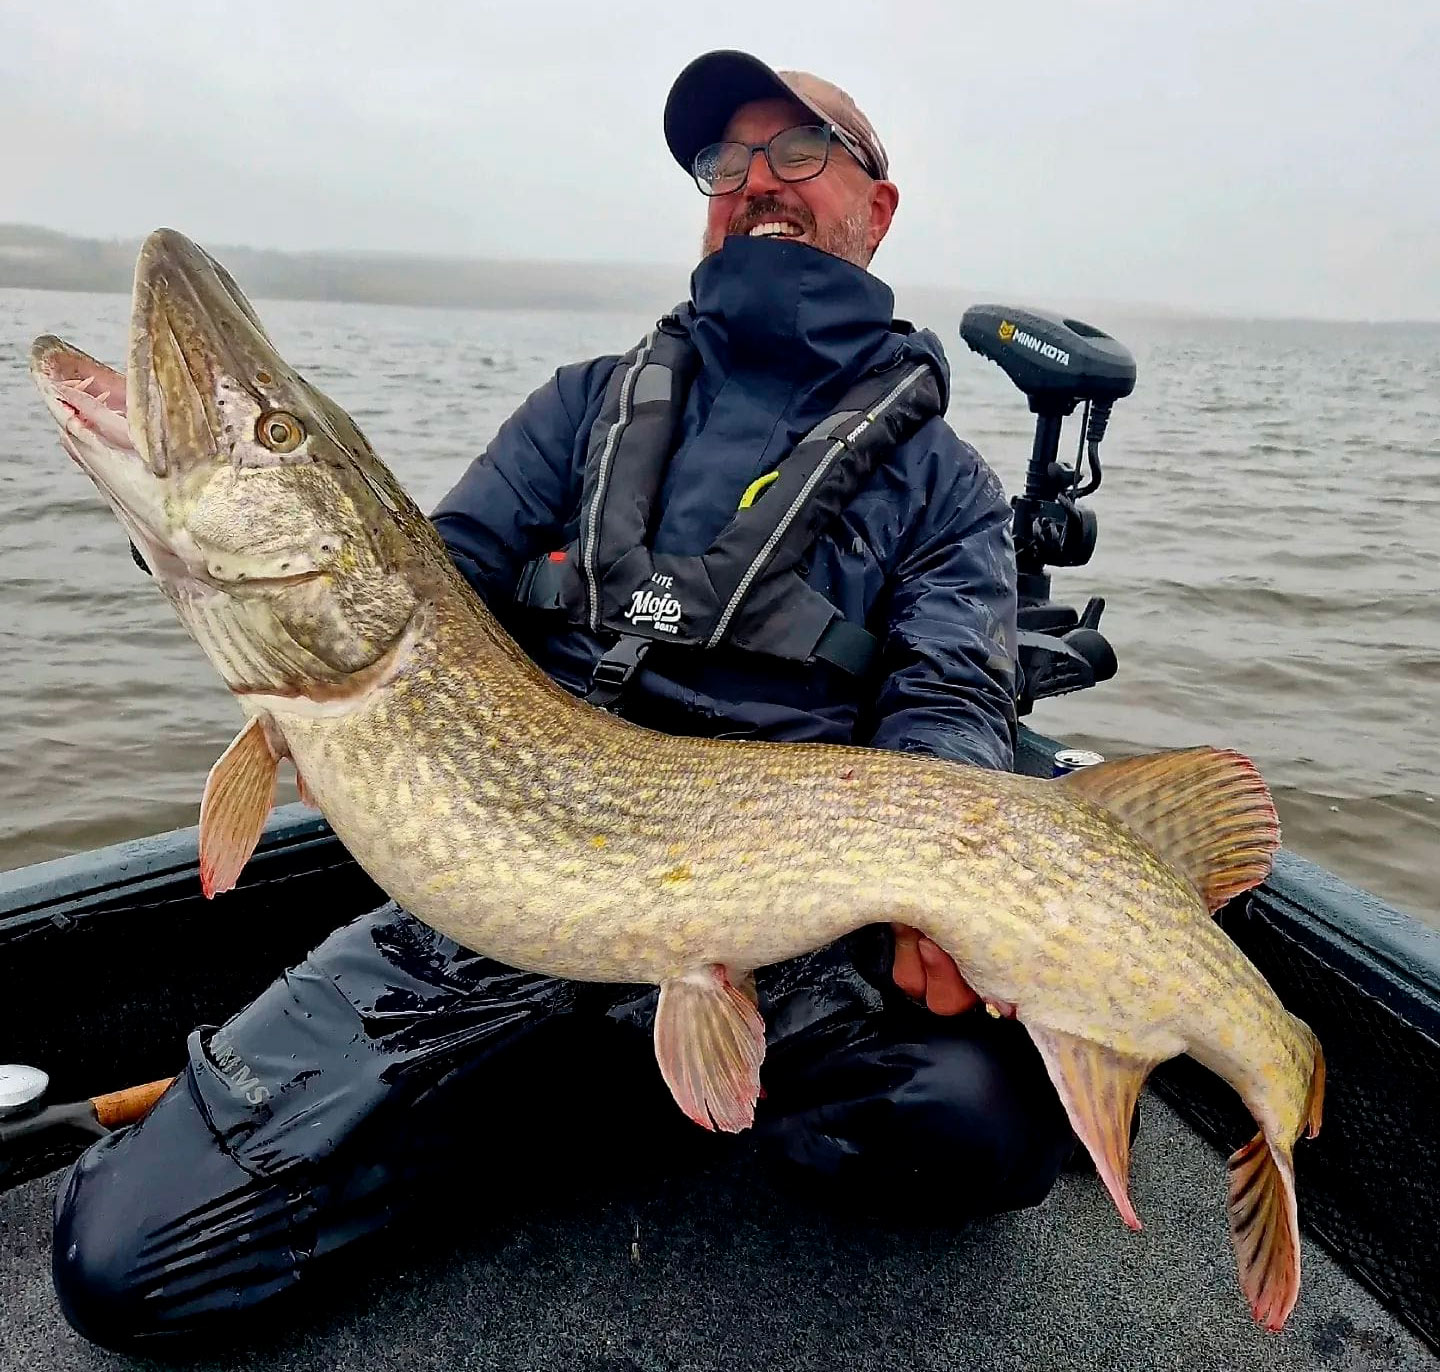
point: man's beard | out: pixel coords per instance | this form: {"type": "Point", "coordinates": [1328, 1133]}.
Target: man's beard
{"type": "Point", "coordinates": [846, 238]}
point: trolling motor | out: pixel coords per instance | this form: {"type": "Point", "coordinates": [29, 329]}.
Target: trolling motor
{"type": "Point", "coordinates": [1059, 363]}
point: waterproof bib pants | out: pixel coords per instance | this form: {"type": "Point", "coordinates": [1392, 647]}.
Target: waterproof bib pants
{"type": "Point", "coordinates": [393, 1069]}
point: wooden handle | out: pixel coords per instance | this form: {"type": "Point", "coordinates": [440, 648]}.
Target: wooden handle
{"type": "Point", "coordinates": [125, 1107]}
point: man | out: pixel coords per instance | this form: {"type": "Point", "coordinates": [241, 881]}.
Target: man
{"type": "Point", "coordinates": [873, 602]}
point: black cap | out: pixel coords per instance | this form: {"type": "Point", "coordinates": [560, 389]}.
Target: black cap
{"type": "Point", "coordinates": [716, 84]}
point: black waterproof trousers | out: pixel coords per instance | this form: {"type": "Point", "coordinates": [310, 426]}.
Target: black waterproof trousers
{"type": "Point", "coordinates": [339, 1098]}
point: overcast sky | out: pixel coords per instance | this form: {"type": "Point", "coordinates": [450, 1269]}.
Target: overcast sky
{"type": "Point", "coordinates": [1245, 156]}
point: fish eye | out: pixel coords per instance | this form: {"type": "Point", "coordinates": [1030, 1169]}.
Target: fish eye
{"type": "Point", "coordinates": [280, 432]}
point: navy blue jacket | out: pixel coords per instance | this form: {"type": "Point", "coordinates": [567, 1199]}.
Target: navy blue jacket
{"type": "Point", "coordinates": [922, 556]}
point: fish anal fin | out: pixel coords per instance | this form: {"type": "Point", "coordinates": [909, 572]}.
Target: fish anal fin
{"type": "Point", "coordinates": [1265, 1230]}
{"type": "Point", "coordinates": [710, 1042]}
{"type": "Point", "coordinates": [238, 795]}
{"type": "Point", "coordinates": [1098, 1088]}
{"type": "Point", "coordinates": [1205, 810]}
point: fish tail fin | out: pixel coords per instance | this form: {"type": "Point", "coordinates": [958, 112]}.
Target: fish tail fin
{"type": "Point", "coordinates": [1207, 811]}
{"type": "Point", "coordinates": [1265, 1229]}
{"type": "Point", "coordinates": [1315, 1101]}
{"type": "Point", "coordinates": [1264, 1221]}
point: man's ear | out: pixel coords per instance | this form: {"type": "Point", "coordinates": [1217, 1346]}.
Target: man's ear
{"type": "Point", "coordinates": [884, 197]}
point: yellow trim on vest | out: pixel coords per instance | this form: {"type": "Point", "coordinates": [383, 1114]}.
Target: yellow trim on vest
{"type": "Point", "coordinates": [753, 490]}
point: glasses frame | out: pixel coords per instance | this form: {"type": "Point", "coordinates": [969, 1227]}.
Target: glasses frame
{"type": "Point", "coordinates": [832, 133]}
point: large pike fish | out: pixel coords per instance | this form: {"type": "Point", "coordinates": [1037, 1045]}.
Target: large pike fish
{"type": "Point", "coordinates": [556, 837]}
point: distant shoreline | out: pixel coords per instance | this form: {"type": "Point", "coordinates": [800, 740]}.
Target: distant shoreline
{"type": "Point", "coordinates": [34, 258]}
{"type": "Point", "coordinates": [43, 259]}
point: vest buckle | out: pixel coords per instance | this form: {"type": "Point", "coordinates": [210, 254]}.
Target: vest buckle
{"type": "Point", "coordinates": [617, 664]}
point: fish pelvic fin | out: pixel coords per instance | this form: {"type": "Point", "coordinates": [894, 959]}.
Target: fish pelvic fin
{"type": "Point", "coordinates": [1098, 1088]}
{"type": "Point", "coordinates": [710, 1042]}
{"type": "Point", "coordinates": [1207, 811]}
{"type": "Point", "coordinates": [238, 795]}
{"type": "Point", "coordinates": [1265, 1229]}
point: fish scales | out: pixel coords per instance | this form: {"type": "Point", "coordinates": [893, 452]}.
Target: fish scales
{"type": "Point", "coordinates": [846, 859]}
{"type": "Point", "coordinates": [673, 847]}
{"type": "Point", "coordinates": [553, 836]}
{"type": "Point", "coordinates": [673, 887]}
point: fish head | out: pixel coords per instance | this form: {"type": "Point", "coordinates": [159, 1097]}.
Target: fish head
{"type": "Point", "coordinates": [289, 550]}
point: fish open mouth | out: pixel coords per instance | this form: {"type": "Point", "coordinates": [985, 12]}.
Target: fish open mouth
{"type": "Point", "coordinates": [88, 400]}
{"type": "Point", "coordinates": [85, 395]}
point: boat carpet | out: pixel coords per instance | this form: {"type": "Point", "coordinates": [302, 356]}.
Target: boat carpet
{"type": "Point", "coordinates": [719, 1266]}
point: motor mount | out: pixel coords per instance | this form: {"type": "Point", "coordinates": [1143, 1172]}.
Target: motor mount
{"type": "Point", "coordinates": [1059, 363]}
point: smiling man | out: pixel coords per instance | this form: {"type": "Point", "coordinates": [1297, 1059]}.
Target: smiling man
{"type": "Point", "coordinates": [845, 212]}
{"type": "Point", "coordinates": [754, 524]}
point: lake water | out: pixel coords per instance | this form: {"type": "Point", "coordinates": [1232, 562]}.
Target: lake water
{"type": "Point", "coordinates": [1269, 552]}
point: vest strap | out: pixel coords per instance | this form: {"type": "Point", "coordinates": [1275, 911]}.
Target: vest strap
{"type": "Point", "coordinates": [848, 647]}
{"type": "Point", "coordinates": [843, 645]}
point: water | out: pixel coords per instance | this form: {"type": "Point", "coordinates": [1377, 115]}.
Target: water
{"type": "Point", "coordinates": [1269, 536]}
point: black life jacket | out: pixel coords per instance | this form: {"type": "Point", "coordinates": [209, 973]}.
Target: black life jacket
{"type": "Point", "coordinates": [745, 591]}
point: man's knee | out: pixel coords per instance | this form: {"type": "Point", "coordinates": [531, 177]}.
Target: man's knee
{"type": "Point", "coordinates": [92, 1257]}
{"type": "Point", "coordinates": [157, 1230]}
{"type": "Point", "coordinates": [979, 1115]}
{"type": "Point", "coordinates": [961, 1121]}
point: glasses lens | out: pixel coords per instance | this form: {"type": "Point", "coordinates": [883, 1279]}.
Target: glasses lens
{"type": "Point", "coordinates": [721, 167]}
{"type": "Point", "coordinates": [800, 153]}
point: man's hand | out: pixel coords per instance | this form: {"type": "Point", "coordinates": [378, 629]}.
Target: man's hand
{"type": "Point", "coordinates": [924, 970]}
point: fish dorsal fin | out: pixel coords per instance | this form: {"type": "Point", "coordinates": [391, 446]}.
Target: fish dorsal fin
{"type": "Point", "coordinates": [1205, 810]}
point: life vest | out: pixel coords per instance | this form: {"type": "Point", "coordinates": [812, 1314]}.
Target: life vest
{"type": "Point", "coordinates": [745, 591]}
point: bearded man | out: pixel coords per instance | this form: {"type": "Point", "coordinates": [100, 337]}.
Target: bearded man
{"type": "Point", "coordinates": [700, 535]}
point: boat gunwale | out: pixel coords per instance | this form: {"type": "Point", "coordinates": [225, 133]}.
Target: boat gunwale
{"type": "Point", "coordinates": [1383, 950]}
{"type": "Point", "coordinates": [100, 879]}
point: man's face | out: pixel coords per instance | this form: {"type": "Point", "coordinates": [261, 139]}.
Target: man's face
{"type": "Point", "coordinates": [841, 211]}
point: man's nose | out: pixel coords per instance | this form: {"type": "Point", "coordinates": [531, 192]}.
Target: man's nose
{"type": "Point", "coordinates": [761, 177]}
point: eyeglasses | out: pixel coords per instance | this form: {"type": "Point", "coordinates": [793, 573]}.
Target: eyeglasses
{"type": "Point", "coordinates": [797, 154]}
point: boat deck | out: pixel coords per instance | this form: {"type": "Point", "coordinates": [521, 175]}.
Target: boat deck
{"type": "Point", "coordinates": [713, 1265]}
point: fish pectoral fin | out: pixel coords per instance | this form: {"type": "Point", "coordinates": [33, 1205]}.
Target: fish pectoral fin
{"type": "Point", "coordinates": [1265, 1229]}
{"type": "Point", "coordinates": [1205, 810]}
{"type": "Point", "coordinates": [710, 1042]}
{"type": "Point", "coordinates": [238, 795]}
{"type": "Point", "coordinates": [1098, 1088]}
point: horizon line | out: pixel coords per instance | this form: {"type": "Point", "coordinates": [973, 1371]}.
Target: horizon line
{"type": "Point", "coordinates": [1127, 308]}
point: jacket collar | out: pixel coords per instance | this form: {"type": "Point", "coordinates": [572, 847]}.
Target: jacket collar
{"type": "Point", "coordinates": [790, 310]}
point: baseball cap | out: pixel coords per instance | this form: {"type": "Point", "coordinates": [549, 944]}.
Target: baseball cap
{"type": "Point", "coordinates": [716, 84]}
